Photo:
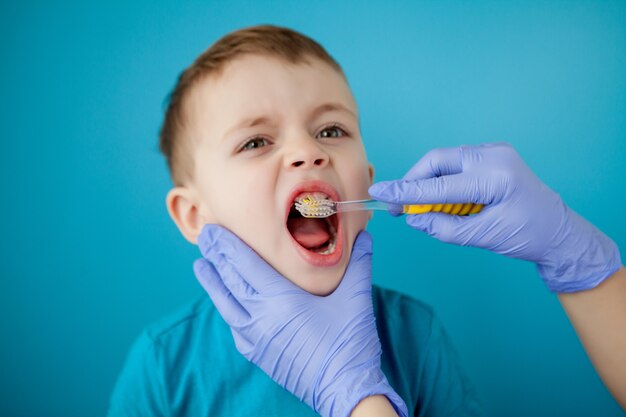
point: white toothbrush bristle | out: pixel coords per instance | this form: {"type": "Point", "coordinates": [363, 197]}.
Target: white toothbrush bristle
{"type": "Point", "coordinates": [312, 207]}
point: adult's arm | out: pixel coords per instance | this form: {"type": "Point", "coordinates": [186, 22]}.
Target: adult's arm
{"type": "Point", "coordinates": [599, 317]}
{"type": "Point", "coordinates": [523, 218]}
{"type": "Point", "coordinates": [374, 406]}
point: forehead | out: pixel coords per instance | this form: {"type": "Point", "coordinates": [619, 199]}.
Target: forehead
{"type": "Point", "coordinates": [258, 85]}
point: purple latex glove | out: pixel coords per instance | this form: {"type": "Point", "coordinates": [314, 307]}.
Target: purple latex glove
{"type": "Point", "coordinates": [523, 218]}
{"type": "Point", "coordinates": [324, 350]}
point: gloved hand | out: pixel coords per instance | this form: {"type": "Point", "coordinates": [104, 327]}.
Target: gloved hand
{"type": "Point", "coordinates": [523, 218]}
{"type": "Point", "coordinates": [325, 350]}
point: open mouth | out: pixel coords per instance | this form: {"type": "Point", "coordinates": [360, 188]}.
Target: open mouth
{"type": "Point", "coordinates": [315, 235]}
{"type": "Point", "coordinates": [319, 242]}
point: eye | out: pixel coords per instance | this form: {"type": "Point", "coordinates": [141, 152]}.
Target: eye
{"type": "Point", "coordinates": [333, 131]}
{"type": "Point", "coordinates": [254, 143]}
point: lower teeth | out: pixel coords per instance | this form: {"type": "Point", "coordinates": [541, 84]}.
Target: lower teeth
{"type": "Point", "coordinates": [329, 250]}
{"type": "Point", "coordinates": [331, 247]}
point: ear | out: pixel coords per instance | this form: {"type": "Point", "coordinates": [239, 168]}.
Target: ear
{"type": "Point", "coordinates": [187, 211]}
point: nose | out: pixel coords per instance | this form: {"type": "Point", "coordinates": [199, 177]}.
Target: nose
{"type": "Point", "coordinates": [306, 154]}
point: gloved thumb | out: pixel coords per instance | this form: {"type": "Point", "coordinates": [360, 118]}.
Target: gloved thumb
{"type": "Point", "coordinates": [362, 246]}
{"type": "Point", "coordinates": [358, 275]}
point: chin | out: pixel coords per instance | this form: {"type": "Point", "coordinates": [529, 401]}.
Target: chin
{"type": "Point", "coordinates": [322, 281]}
{"type": "Point", "coordinates": [322, 290]}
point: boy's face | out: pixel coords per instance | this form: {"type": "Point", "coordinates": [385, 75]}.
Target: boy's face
{"type": "Point", "coordinates": [265, 132]}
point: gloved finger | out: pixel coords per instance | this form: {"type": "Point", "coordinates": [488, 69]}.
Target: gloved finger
{"type": "Point", "coordinates": [229, 308]}
{"type": "Point", "coordinates": [233, 280]}
{"type": "Point", "coordinates": [435, 163]}
{"type": "Point", "coordinates": [219, 244]}
{"type": "Point", "coordinates": [444, 227]}
{"type": "Point", "coordinates": [243, 344]}
{"type": "Point", "coordinates": [358, 275]}
{"type": "Point", "coordinates": [453, 189]}
{"type": "Point", "coordinates": [215, 239]}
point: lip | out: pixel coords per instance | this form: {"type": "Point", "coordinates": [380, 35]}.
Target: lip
{"type": "Point", "coordinates": [309, 256]}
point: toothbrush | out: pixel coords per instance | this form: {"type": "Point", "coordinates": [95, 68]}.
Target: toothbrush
{"type": "Point", "coordinates": [312, 207]}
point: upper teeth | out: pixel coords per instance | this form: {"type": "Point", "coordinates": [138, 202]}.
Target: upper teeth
{"type": "Point", "coordinates": [317, 195]}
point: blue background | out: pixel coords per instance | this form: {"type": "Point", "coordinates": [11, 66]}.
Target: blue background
{"type": "Point", "coordinates": [90, 256]}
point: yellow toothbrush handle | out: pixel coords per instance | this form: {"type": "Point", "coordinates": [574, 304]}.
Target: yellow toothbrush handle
{"type": "Point", "coordinates": [458, 209]}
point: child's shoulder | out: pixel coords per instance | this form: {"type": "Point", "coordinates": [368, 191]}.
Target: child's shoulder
{"type": "Point", "coordinates": [402, 319]}
{"type": "Point", "coordinates": [394, 303]}
{"type": "Point", "coordinates": [200, 318]}
{"type": "Point", "coordinates": [183, 321]}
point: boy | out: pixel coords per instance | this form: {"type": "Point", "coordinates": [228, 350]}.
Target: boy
{"type": "Point", "coordinates": [262, 117]}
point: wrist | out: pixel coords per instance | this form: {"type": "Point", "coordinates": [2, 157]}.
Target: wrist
{"type": "Point", "coordinates": [376, 405]}
{"type": "Point", "coordinates": [350, 390]}
{"type": "Point", "coordinates": [581, 257]}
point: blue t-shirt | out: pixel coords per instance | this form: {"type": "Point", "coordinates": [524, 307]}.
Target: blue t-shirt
{"type": "Point", "coordinates": [187, 365]}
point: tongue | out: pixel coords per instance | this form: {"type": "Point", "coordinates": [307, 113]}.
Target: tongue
{"type": "Point", "coordinates": [310, 233]}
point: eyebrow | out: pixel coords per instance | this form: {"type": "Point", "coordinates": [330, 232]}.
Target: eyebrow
{"type": "Point", "coordinates": [260, 120]}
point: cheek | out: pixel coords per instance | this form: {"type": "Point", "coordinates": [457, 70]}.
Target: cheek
{"type": "Point", "coordinates": [353, 172]}
{"type": "Point", "coordinates": [246, 207]}
{"type": "Point", "coordinates": [356, 180]}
